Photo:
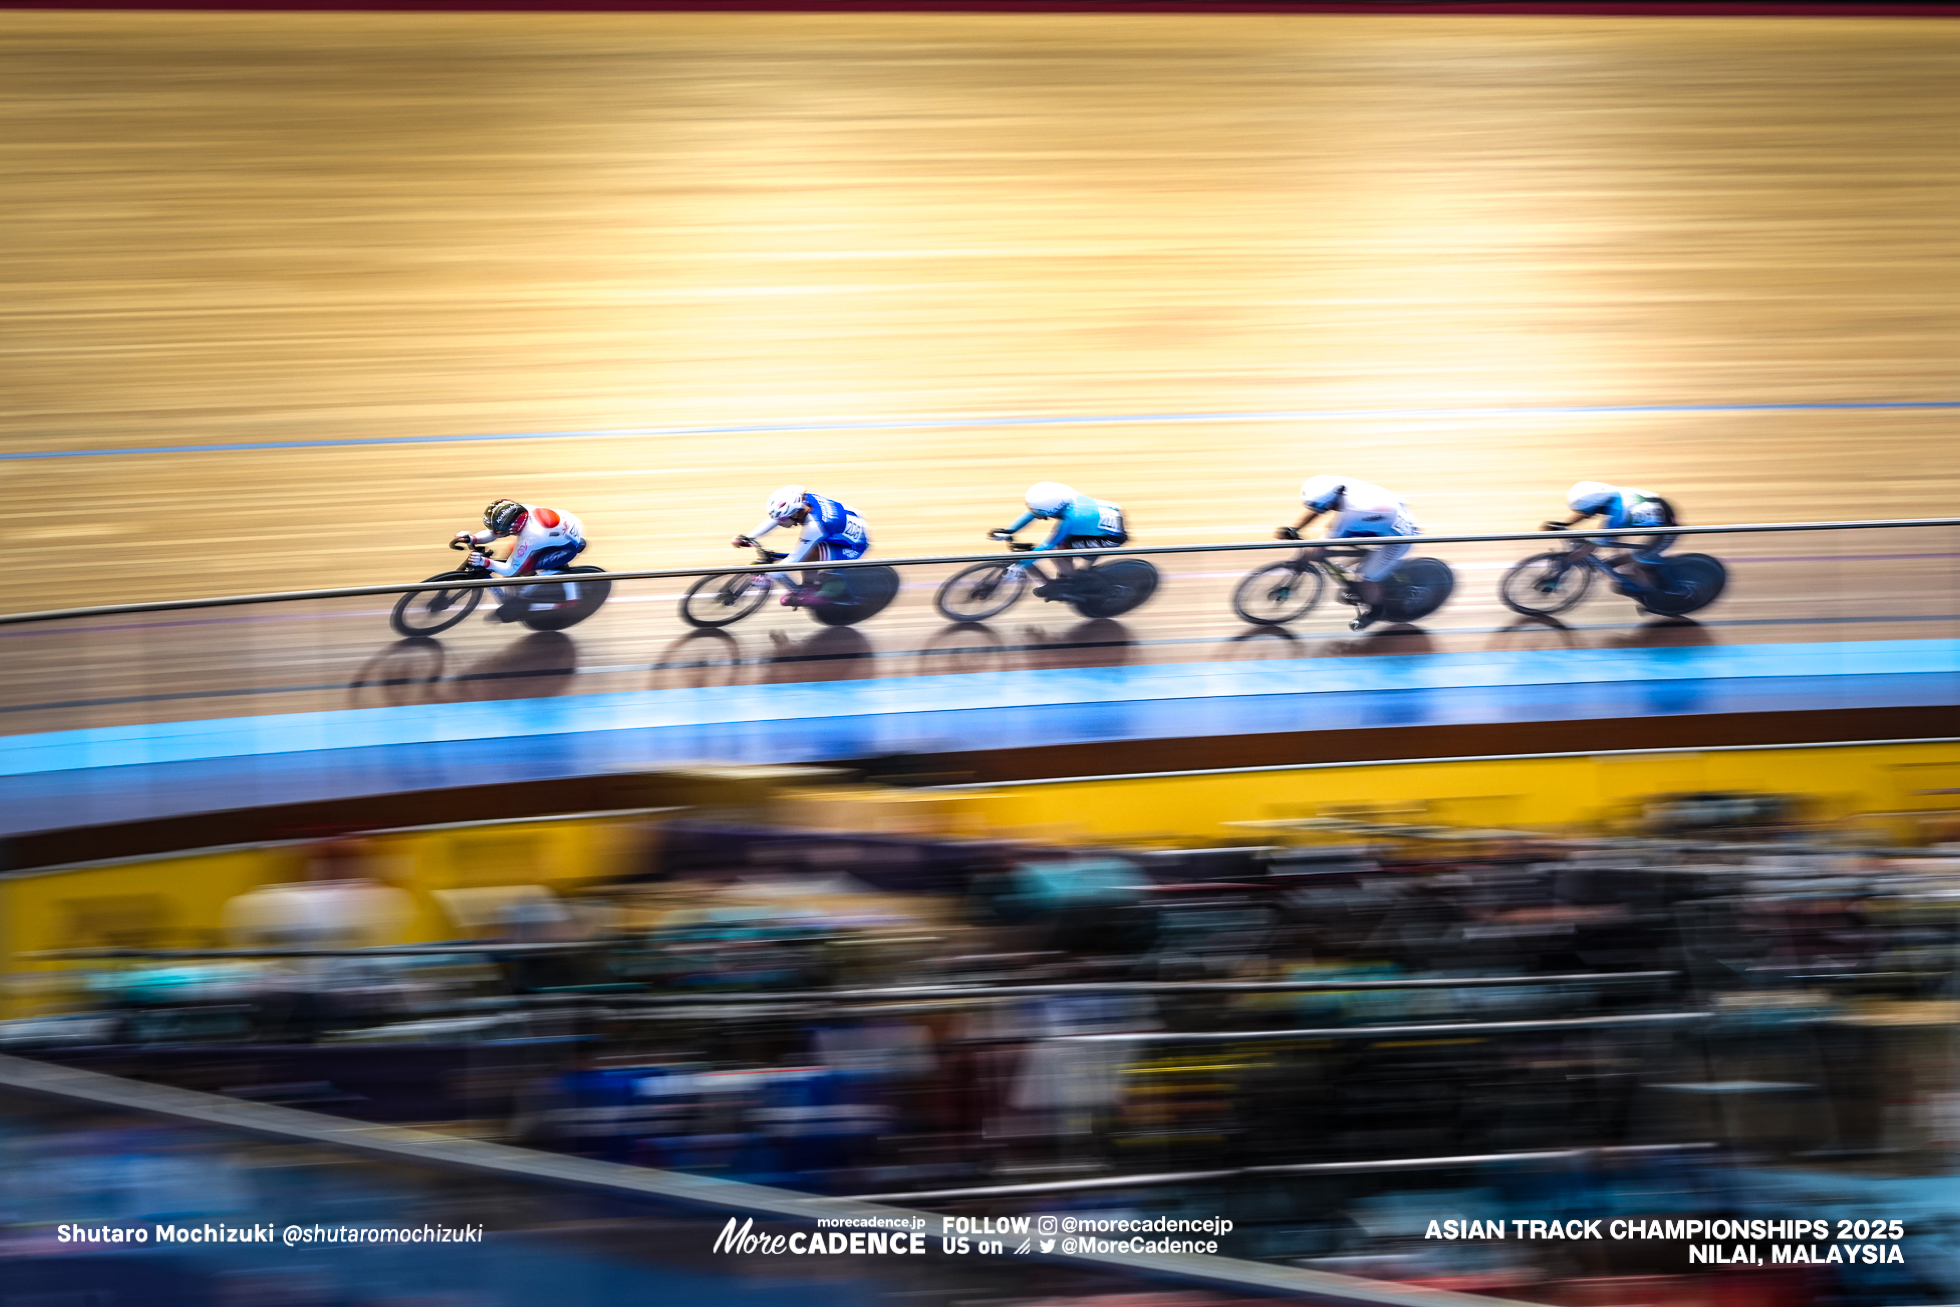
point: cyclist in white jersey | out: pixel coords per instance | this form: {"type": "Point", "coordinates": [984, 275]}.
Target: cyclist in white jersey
{"type": "Point", "coordinates": [1360, 509]}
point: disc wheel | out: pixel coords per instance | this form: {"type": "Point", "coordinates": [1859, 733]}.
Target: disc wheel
{"type": "Point", "coordinates": [981, 591]}
{"type": "Point", "coordinates": [867, 591]}
{"type": "Point", "coordinates": [1688, 583]}
{"type": "Point", "coordinates": [1545, 585]}
{"type": "Point", "coordinates": [422, 613]}
{"type": "Point", "coordinates": [723, 600]}
{"type": "Point", "coordinates": [1126, 583]}
{"type": "Point", "coordinates": [1278, 593]}
{"type": "Point", "coordinates": [555, 607]}
{"type": "Point", "coordinates": [1416, 588]}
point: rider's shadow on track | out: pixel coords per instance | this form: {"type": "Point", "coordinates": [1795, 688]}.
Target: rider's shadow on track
{"type": "Point", "coordinates": [833, 653]}
{"type": "Point", "coordinates": [700, 659]}
{"type": "Point", "coordinates": [1383, 640]}
{"type": "Point", "coordinates": [534, 665]}
{"type": "Point", "coordinates": [1528, 633]}
{"type": "Point", "coordinates": [405, 673]}
{"type": "Point", "coordinates": [962, 647]}
{"type": "Point", "coordinates": [1263, 642]}
{"type": "Point", "coordinates": [1097, 642]}
{"type": "Point", "coordinates": [410, 672]}
{"type": "Point", "coordinates": [1662, 633]}
{"type": "Point", "coordinates": [1551, 633]}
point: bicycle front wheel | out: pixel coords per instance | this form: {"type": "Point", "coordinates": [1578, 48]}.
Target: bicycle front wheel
{"type": "Point", "coordinates": [422, 613]}
{"type": "Point", "coordinates": [717, 601]}
{"type": "Point", "coordinates": [1545, 585]}
{"type": "Point", "coordinates": [981, 591]}
{"type": "Point", "coordinates": [1278, 593]}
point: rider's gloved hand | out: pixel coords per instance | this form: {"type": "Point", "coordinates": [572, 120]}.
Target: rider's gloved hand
{"type": "Point", "coordinates": [741, 542]}
{"type": "Point", "coordinates": [461, 540]}
{"type": "Point", "coordinates": [1286, 533]}
{"type": "Point", "coordinates": [1000, 533]}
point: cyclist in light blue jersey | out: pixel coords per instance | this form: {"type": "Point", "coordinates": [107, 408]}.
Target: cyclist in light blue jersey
{"type": "Point", "coordinates": [1623, 506]}
{"type": "Point", "coordinates": [1080, 523]}
{"type": "Point", "coordinates": [830, 532]}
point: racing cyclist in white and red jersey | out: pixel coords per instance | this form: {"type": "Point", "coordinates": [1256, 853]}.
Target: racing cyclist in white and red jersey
{"type": "Point", "coordinates": [545, 540]}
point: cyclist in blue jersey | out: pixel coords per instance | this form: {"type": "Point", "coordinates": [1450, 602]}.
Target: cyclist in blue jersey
{"type": "Point", "coordinates": [830, 532]}
{"type": "Point", "coordinates": [1080, 523]}
{"type": "Point", "coordinates": [1623, 506]}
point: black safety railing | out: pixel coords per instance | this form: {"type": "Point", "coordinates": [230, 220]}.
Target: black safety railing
{"type": "Point", "coordinates": [674, 573]}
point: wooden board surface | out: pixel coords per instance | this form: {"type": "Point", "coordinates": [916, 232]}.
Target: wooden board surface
{"type": "Point", "coordinates": [234, 228]}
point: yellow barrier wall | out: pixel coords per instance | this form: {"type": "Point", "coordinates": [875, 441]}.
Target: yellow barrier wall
{"type": "Point", "coordinates": [1897, 792]}
{"type": "Point", "coordinates": [1894, 788]}
{"type": "Point", "coordinates": [177, 900]}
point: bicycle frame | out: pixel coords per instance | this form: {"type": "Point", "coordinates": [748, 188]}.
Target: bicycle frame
{"type": "Point", "coordinates": [1334, 559]}
{"type": "Point", "coordinates": [477, 559]}
{"type": "Point", "coordinates": [1586, 551]}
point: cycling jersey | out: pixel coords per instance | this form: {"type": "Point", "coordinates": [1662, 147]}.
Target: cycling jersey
{"type": "Point", "coordinates": [548, 540]}
{"type": "Point", "coordinates": [1628, 508]}
{"type": "Point", "coordinates": [1085, 524]}
{"type": "Point", "coordinates": [831, 532]}
{"type": "Point", "coordinates": [1364, 509]}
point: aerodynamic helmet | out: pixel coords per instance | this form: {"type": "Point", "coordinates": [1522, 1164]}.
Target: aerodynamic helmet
{"type": "Point", "coordinates": [1049, 498]}
{"type": "Point", "coordinates": [784, 503]}
{"type": "Point", "coordinates": [1321, 493]}
{"type": "Point", "coordinates": [504, 517]}
{"type": "Point", "coordinates": [1589, 496]}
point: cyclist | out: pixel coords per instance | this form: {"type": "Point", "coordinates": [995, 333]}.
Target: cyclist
{"type": "Point", "coordinates": [545, 540]}
{"type": "Point", "coordinates": [1080, 523]}
{"type": "Point", "coordinates": [1360, 509]}
{"type": "Point", "coordinates": [1623, 506]}
{"type": "Point", "coordinates": [831, 532]}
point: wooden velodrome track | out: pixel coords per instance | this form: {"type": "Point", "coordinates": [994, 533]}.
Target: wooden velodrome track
{"type": "Point", "coordinates": [820, 234]}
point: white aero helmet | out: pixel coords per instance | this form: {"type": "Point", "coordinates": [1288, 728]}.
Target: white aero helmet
{"type": "Point", "coordinates": [1589, 496]}
{"type": "Point", "coordinates": [783, 502]}
{"type": "Point", "coordinates": [1319, 493]}
{"type": "Point", "coordinates": [1049, 498]}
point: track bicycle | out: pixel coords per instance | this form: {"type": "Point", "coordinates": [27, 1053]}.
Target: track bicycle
{"type": "Point", "coordinates": [841, 596]}
{"type": "Point", "coordinates": [1287, 590]}
{"type": "Point", "coordinates": [1555, 581]}
{"type": "Point", "coordinates": [1099, 588]}
{"type": "Point", "coordinates": [542, 606]}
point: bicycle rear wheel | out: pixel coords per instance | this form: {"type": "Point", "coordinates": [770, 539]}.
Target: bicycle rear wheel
{"type": "Point", "coordinates": [723, 600]}
{"type": "Point", "coordinates": [1278, 593]}
{"type": "Point", "coordinates": [867, 590]}
{"type": "Point", "coordinates": [984, 590]}
{"type": "Point", "coordinates": [1126, 583]}
{"type": "Point", "coordinates": [1545, 585]}
{"type": "Point", "coordinates": [1416, 588]}
{"type": "Point", "coordinates": [555, 607]}
{"type": "Point", "coordinates": [421, 613]}
{"type": "Point", "coordinates": [1690, 583]}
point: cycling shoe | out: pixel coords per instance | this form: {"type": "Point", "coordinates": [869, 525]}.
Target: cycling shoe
{"type": "Point", "coordinates": [1365, 620]}
{"type": "Point", "coordinates": [1050, 590]}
